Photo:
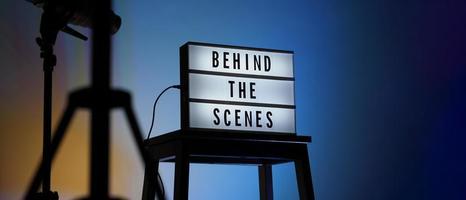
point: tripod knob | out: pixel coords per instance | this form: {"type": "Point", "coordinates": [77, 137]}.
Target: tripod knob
{"type": "Point", "coordinates": [46, 53]}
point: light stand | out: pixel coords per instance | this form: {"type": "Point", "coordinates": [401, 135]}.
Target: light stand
{"type": "Point", "coordinates": [49, 27]}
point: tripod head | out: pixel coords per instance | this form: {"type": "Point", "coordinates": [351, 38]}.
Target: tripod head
{"type": "Point", "coordinates": [54, 19]}
{"type": "Point", "coordinates": [58, 13]}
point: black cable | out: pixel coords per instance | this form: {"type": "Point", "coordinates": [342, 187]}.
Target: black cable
{"type": "Point", "coordinates": [161, 183]}
{"type": "Point", "coordinates": [155, 103]}
{"type": "Point", "coordinates": [152, 125]}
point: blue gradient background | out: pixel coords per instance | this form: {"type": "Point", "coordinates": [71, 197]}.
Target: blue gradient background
{"type": "Point", "coordinates": [380, 86]}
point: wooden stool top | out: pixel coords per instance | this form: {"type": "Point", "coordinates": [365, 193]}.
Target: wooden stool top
{"type": "Point", "coordinates": [233, 148]}
{"type": "Point", "coordinates": [211, 135]}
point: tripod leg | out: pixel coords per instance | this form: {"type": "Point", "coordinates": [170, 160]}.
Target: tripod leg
{"type": "Point", "coordinates": [142, 150]}
{"type": "Point", "coordinates": [58, 137]}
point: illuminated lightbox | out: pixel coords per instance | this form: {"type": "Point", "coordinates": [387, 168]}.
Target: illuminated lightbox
{"type": "Point", "coordinates": [230, 88]}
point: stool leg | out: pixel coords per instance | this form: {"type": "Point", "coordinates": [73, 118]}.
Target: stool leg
{"type": "Point", "coordinates": [150, 181]}
{"type": "Point", "coordinates": [181, 175]}
{"type": "Point", "coordinates": [303, 175]}
{"type": "Point", "coordinates": [265, 182]}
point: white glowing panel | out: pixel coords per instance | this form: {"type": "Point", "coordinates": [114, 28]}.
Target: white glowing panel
{"type": "Point", "coordinates": [241, 61]}
{"type": "Point", "coordinates": [244, 118]}
{"type": "Point", "coordinates": [237, 89]}
{"type": "Point", "coordinates": [230, 88]}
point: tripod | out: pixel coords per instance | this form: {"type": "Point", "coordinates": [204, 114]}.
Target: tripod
{"type": "Point", "coordinates": [100, 99]}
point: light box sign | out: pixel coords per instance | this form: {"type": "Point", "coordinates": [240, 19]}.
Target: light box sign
{"type": "Point", "coordinates": [231, 88]}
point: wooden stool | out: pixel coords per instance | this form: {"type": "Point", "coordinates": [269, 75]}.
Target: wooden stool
{"type": "Point", "coordinates": [184, 147]}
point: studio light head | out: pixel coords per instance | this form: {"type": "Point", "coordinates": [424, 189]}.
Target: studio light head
{"type": "Point", "coordinates": [58, 13]}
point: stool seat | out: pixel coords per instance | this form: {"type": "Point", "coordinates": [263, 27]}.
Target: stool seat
{"type": "Point", "coordinates": [183, 147]}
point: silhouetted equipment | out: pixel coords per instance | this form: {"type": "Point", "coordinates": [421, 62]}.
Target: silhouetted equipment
{"type": "Point", "coordinates": [99, 98]}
